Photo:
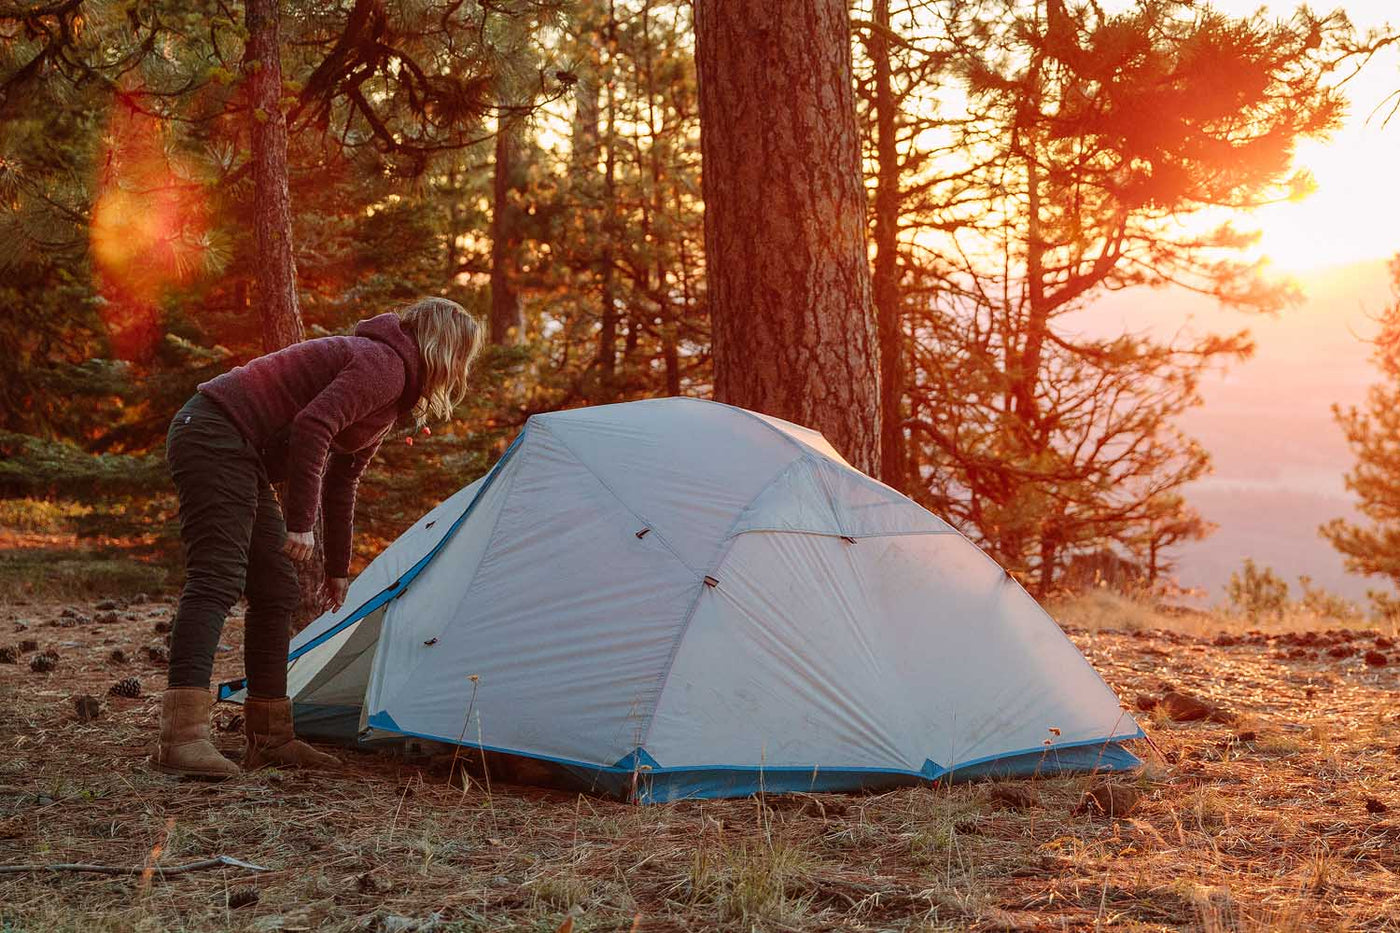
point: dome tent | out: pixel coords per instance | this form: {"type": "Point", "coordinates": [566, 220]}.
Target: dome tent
{"type": "Point", "coordinates": [678, 598]}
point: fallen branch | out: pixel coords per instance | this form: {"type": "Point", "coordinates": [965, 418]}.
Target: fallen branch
{"type": "Point", "coordinates": [221, 861]}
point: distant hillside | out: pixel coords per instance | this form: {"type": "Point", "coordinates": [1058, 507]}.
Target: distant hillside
{"type": "Point", "coordinates": [1279, 456]}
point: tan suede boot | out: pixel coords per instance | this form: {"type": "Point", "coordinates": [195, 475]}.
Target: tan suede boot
{"type": "Point", "coordinates": [185, 748]}
{"type": "Point", "coordinates": [271, 742]}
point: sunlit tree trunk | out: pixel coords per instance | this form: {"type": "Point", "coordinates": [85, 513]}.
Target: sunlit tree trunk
{"type": "Point", "coordinates": [272, 203]}
{"type": "Point", "coordinates": [607, 331]}
{"type": "Point", "coordinates": [507, 326]}
{"type": "Point", "coordinates": [272, 224]}
{"type": "Point", "coordinates": [885, 277]}
{"type": "Point", "coordinates": [788, 275]}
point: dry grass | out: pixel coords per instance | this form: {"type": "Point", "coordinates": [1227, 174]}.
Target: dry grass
{"type": "Point", "coordinates": [1259, 825]}
{"type": "Point", "coordinates": [1106, 610]}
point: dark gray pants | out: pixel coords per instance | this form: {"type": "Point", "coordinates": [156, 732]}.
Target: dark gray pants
{"type": "Point", "coordinates": [232, 532]}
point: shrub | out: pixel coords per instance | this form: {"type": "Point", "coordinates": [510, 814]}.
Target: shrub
{"type": "Point", "coordinates": [1257, 592]}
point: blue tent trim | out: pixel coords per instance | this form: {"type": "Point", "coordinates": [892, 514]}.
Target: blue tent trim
{"type": "Point", "coordinates": [636, 759]}
{"type": "Point", "coordinates": [639, 777]}
{"type": "Point", "coordinates": [1028, 759]}
{"type": "Point", "coordinates": [396, 589]}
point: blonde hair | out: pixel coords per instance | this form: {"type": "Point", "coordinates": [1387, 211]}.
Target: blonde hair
{"type": "Point", "coordinates": [449, 340]}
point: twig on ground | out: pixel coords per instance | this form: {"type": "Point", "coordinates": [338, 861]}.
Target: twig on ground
{"type": "Point", "coordinates": [220, 861]}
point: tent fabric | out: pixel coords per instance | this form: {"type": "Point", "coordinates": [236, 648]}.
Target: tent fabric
{"type": "Point", "coordinates": [677, 598]}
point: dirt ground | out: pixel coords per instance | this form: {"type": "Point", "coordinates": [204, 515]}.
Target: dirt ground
{"type": "Point", "coordinates": [1280, 813]}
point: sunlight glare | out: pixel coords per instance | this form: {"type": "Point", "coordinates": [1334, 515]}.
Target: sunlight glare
{"type": "Point", "coordinates": [147, 230]}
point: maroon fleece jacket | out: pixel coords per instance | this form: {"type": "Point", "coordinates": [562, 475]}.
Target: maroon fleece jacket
{"type": "Point", "coordinates": [316, 412]}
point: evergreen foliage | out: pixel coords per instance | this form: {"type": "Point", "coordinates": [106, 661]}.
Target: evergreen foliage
{"type": "Point", "coordinates": [1022, 183]}
{"type": "Point", "coordinates": [1257, 592]}
{"type": "Point", "coordinates": [1052, 153]}
{"type": "Point", "coordinates": [1372, 546]}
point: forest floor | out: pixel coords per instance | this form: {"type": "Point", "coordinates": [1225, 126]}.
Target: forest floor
{"type": "Point", "coordinates": [1281, 814]}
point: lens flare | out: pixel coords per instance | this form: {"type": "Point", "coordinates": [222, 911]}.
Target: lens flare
{"type": "Point", "coordinates": [147, 231]}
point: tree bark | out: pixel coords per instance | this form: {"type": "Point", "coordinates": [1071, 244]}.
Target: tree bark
{"type": "Point", "coordinates": [885, 277]}
{"type": "Point", "coordinates": [607, 330]}
{"type": "Point", "coordinates": [272, 202]}
{"type": "Point", "coordinates": [789, 278]}
{"type": "Point", "coordinates": [272, 224]}
{"type": "Point", "coordinates": [507, 326]}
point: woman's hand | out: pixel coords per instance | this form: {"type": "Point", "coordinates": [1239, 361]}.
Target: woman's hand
{"type": "Point", "coordinates": [333, 590]}
{"type": "Point", "coordinates": [299, 545]}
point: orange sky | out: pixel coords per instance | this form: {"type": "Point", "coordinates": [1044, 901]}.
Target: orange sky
{"type": "Point", "coordinates": [1351, 216]}
{"type": "Point", "coordinates": [1278, 454]}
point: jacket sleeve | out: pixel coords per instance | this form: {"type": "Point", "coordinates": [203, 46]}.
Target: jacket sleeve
{"type": "Point", "coordinates": [367, 383]}
{"type": "Point", "coordinates": [338, 506]}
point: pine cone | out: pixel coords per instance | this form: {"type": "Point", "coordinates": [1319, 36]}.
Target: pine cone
{"type": "Point", "coordinates": [43, 663]}
{"type": "Point", "coordinates": [162, 627]}
{"type": "Point", "coordinates": [8, 655]}
{"type": "Point", "coordinates": [128, 687]}
{"type": "Point", "coordinates": [118, 656]}
{"type": "Point", "coordinates": [157, 654]}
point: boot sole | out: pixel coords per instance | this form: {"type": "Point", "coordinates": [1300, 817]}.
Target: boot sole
{"type": "Point", "coordinates": [185, 772]}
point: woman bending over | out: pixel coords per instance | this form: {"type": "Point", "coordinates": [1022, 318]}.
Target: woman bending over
{"type": "Point", "coordinates": [311, 415]}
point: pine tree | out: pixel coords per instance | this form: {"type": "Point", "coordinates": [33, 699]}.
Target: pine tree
{"type": "Point", "coordinates": [1041, 442]}
{"type": "Point", "coordinates": [785, 237]}
{"type": "Point", "coordinates": [1372, 547]}
{"type": "Point", "coordinates": [1257, 592]}
{"type": "Point", "coordinates": [616, 295]}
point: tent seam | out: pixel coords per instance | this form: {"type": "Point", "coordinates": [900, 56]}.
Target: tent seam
{"type": "Point", "coordinates": [727, 545]}
{"type": "Point", "coordinates": [802, 448]}
{"type": "Point", "coordinates": [832, 534]}
{"type": "Point", "coordinates": [621, 501]}
{"type": "Point", "coordinates": [505, 497]}
{"type": "Point", "coordinates": [812, 451]}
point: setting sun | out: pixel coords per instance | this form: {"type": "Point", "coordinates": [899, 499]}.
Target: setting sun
{"type": "Point", "coordinates": [1349, 216]}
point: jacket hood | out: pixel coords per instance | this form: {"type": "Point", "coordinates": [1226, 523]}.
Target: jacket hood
{"type": "Point", "coordinates": [388, 329]}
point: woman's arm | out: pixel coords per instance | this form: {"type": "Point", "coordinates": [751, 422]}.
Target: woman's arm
{"type": "Point", "coordinates": [338, 507]}
{"type": "Point", "coordinates": [367, 383]}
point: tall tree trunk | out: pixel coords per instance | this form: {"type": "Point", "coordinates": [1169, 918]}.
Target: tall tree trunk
{"type": "Point", "coordinates": [1036, 323]}
{"type": "Point", "coordinates": [454, 222]}
{"type": "Point", "coordinates": [272, 203]}
{"type": "Point", "coordinates": [607, 331]}
{"type": "Point", "coordinates": [671, 327]}
{"type": "Point", "coordinates": [272, 224]}
{"type": "Point", "coordinates": [665, 317]}
{"type": "Point", "coordinates": [885, 279]}
{"type": "Point", "coordinates": [789, 278]}
{"type": "Point", "coordinates": [507, 318]}
{"type": "Point", "coordinates": [583, 139]}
